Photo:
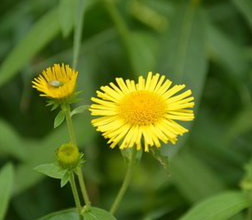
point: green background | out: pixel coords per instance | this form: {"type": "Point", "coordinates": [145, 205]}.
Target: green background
{"type": "Point", "coordinates": [206, 45]}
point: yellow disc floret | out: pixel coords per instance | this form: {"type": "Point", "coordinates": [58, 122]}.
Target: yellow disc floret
{"type": "Point", "coordinates": [57, 82]}
{"type": "Point", "coordinates": [68, 155]}
{"type": "Point", "coordinates": [142, 108]}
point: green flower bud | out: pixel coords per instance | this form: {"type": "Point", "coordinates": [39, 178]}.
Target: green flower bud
{"type": "Point", "coordinates": [68, 156]}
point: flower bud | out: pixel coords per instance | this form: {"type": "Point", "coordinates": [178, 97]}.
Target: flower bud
{"type": "Point", "coordinates": [68, 156]}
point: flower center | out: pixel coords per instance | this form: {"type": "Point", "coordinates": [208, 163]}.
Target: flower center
{"type": "Point", "coordinates": [56, 83]}
{"type": "Point", "coordinates": [142, 108]}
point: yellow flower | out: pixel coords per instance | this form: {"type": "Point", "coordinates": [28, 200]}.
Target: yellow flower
{"type": "Point", "coordinates": [57, 82]}
{"type": "Point", "coordinates": [132, 113]}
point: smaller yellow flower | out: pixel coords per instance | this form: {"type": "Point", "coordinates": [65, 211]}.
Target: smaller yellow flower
{"type": "Point", "coordinates": [68, 155]}
{"type": "Point", "coordinates": [57, 82]}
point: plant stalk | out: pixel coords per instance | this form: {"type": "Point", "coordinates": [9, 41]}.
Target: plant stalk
{"type": "Point", "coordinates": [70, 125]}
{"type": "Point", "coordinates": [75, 194]}
{"type": "Point", "coordinates": [83, 187]}
{"type": "Point", "coordinates": [73, 140]}
{"type": "Point", "coordinates": [125, 184]}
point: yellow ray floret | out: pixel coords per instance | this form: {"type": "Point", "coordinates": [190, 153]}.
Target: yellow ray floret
{"type": "Point", "coordinates": [57, 82]}
{"type": "Point", "coordinates": [130, 113]}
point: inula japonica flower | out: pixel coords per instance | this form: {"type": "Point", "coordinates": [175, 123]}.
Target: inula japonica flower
{"type": "Point", "coordinates": [57, 82]}
{"type": "Point", "coordinates": [146, 112]}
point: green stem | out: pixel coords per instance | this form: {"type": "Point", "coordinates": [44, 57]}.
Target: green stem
{"type": "Point", "coordinates": [83, 187]}
{"type": "Point", "coordinates": [78, 31]}
{"type": "Point", "coordinates": [70, 124]}
{"type": "Point", "coordinates": [125, 184]}
{"type": "Point", "coordinates": [75, 194]}
{"type": "Point", "coordinates": [73, 140]}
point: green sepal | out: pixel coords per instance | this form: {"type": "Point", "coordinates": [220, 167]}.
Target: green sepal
{"type": "Point", "coordinates": [59, 119]}
{"type": "Point", "coordinates": [65, 179]}
{"type": "Point", "coordinates": [53, 103]}
{"type": "Point", "coordinates": [74, 98]}
{"type": "Point", "coordinates": [80, 109]}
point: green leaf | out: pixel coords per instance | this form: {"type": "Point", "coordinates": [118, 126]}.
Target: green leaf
{"type": "Point", "coordinates": [51, 169]}
{"type": "Point", "coordinates": [142, 48]}
{"type": "Point", "coordinates": [65, 179]}
{"type": "Point", "coordinates": [239, 125]}
{"type": "Point", "coordinates": [10, 142]}
{"type": "Point", "coordinates": [220, 207]}
{"type": "Point", "coordinates": [200, 180]}
{"type": "Point", "coordinates": [183, 55]}
{"type": "Point", "coordinates": [6, 186]}
{"type": "Point", "coordinates": [38, 37]}
{"type": "Point", "coordinates": [71, 214]}
{"type": "Point", "coordinates": [98, 214]}
{"type": "Point", "coordinates": [225, 51]}
{"type": "Point", "coordinates": [245, 6]}
{"type": "Point", "coordinates": [66, 16]}
{"type": "Point", "coordinates": [80, 109]}
{"type": "Point", "coordinates": [59, 119]}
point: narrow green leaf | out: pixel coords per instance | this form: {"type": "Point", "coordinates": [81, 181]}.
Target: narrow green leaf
{"type": "Point", "coordinates": [98, 214]}
{"type": "Point", "coordinates": [38, 37]}
{"type": "Point", "coordinates": [200, 180]}
{"type": "Point", "coordinates": [51, 169]}
{"type": "Point", "coordinates": [142, 48]}
{"type": "Point", "coordinates": [184, 56]}
{"type": "Point", "coordinates": [220, 207]}
{"type": "Point", "coordinates": [59, 119]}
{"type": "Point", "coordinates": [66, 16]}
{"type": "Point", "coordinates": [6, 186]}
{"type": "Point", "coordinates": [240, 124]}
{"type": "Point", "coordinates": [229, 54]}
{"type": "Point", "coordinates": [10, 142]}
{"type": "Point", "coordinates": [245, 6]}
{"type": "Point", "coordinates": [183, 52]}
{"type": "Point", "coordinates": [80, 109]}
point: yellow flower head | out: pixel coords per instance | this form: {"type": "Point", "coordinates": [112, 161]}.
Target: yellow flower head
{"type": "Point", "coordinates": [143, 112]}
{"type": "Point", "coordinates": [57, 82]}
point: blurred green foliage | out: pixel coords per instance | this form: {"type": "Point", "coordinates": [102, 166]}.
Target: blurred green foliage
{"type": "Point", "coordinates": [204, 44]}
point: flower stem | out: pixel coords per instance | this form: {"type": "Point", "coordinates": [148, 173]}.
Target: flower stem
{"type": "Point", "coordinates": [83, 187]}
{"type": "Point", "coordinates": [75, 194]}
{"type": "Point", "coordinates": [125, 184]}
{"type": "Point", "coordinates": [70, 125]}
{"type": "Point", "coordinates": [73, 140]}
